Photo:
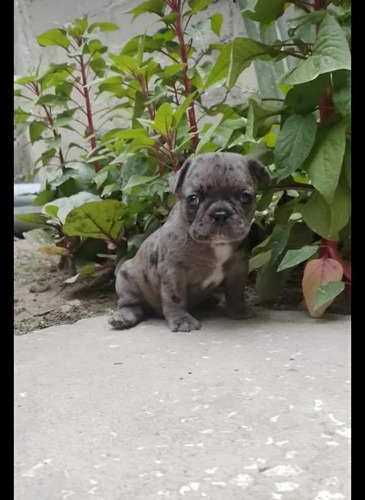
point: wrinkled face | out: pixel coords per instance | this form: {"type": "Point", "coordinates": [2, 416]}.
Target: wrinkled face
{"type": "Point", "coordinates": [217, 197]}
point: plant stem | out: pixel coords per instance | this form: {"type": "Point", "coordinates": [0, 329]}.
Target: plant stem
{"type": "Point", "coordinates": [88, 107]}
{"type": "Point", "coordinates": [175, 164]}
{"type": "Point", "coordinates": [175, 5]}
{"type": "Point", "coordinates": [151, 113]}
{"type": "Point", "coordinates": [50, 121]}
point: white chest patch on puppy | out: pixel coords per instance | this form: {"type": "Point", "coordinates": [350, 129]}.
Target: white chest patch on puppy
{"type": "Point", "coordinates": [223, 252]}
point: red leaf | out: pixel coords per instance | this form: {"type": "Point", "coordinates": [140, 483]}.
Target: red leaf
{"type": "Point", "coordinates": [319, 272]}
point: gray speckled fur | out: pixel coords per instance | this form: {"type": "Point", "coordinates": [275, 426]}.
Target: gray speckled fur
{"type": "Point", "coordinates": [167, 274]}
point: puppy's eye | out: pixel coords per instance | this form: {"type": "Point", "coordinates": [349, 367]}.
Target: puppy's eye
{"type": "Point", "coordinates": [246, 198]}
{"type": "Point", "coordinates": [193, 200]}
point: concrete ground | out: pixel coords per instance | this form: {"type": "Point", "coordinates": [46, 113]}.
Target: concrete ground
{"type": "Point", "coordinates": [236, 411]}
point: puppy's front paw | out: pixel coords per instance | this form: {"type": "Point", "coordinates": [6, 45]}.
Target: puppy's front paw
{"type": "Point", "coordinates": [242, 311]}
{"type": "Point", "coordinates": [183, 323]}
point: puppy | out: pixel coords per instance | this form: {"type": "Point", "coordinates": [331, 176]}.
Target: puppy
{"type": "Point", "coordinates": [202, 245]}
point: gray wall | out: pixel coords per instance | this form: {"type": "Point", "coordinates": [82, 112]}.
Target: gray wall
{"type": "Point", "coordinates": [33, 17]}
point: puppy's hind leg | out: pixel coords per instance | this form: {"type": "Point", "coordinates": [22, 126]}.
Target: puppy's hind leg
{"type": "Point", "coordinates": [127, 316]}
{"type": "Point", "coordinates": [130, 311]}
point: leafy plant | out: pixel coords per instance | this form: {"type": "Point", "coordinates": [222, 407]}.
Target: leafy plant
{"type": "Point", "coordinates": [312, 155]}
{"type": "Point", "coordinates": [101, 204]}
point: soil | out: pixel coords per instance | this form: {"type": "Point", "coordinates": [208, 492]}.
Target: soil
{"type": "Point", "coordinates": [41, 299]}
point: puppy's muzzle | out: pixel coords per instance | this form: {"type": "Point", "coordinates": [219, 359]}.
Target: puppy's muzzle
{"type": "Point", "coordinates": [220, 217]}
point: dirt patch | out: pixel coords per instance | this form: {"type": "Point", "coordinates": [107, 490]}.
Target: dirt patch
{"type": "Point", "coordinates": [41, 299]}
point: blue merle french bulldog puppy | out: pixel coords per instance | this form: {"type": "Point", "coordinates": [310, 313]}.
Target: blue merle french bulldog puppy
{"type": "Point", "coordinates": [201, 246]}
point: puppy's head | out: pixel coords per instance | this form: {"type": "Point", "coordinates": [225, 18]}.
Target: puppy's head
{"type": "Point", "coordinates": [217, 195]}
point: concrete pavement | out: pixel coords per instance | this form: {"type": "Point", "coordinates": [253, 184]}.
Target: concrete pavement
{"type": "Point", "coordinates": [238, 410]}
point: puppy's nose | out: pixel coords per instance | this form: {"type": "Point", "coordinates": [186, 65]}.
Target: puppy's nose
{"type": "Point", "coordinates": [221, 216]}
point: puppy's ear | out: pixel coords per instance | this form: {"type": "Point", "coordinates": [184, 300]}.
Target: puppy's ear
{"type": "Point", "coordinates": [259, 172]}
{"type": "Point", "coordinates": [177, 179]}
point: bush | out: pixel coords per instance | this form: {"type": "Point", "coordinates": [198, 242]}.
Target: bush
{"type": "Point", "coordinates": [100, 205]}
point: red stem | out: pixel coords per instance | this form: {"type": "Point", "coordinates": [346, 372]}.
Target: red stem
{"type": "Point", "coordinates": [88, 111]}
{"type": "Point", "coordinates": [151, 113]}
{"type": "Point", "coordinates": [176, 7]}
{"type": "Point", "coordinates": [50, 121]}
{"type": "Point", "coordinates": [169, 143]}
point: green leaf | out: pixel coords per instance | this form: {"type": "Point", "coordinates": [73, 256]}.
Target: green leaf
{"type": "Point", "coordinates": [81, 24]}
{"type": "Point", "coordinates": [64, 89]}
{"type": "Point", "coordinates": [216, 23]}
{"type": "Point", "coordinates": [303, 20]}
{"type": "Point", "coordinates": [304, 98]}
{"type": "Point", "coordinates": [95, 48]}
{"type": "Point", "coordinates": [341, 91]}
{"type": "Point", "coordinates": [327, 220]}
{"type": "Point", "coordinates": [54, 37]}
{"type": "Point", "coordinates": [110, 188]}
{"type": "Point", "coordinates": [330, 53]}
{"type": "Point", "coordinates": [327, 293]}
{"type": "Point", "coordinates": [35, 131]}
{"type": "Point", "coordinates": [96, 219]}
{"type": "Point", "coordinates": [51, 210]}
{"type": "Point", "coordinates": [66, 204]}
{"type": "Point", "coordinates": [283, 212]}
{"type": "Point", "coordinates": [205, 137]}
{"type": "Point", "coordinates": [44, 197]}
{"type": "Point", "coordinates": [265, 199]}
{"type": "Point", "coordinates": [294, 143]}
{"type": "Point", "coordinates": [119, 133]}
{"type": "Point", "coordinates": [20, 116]}
{"type": "Point", "coordinates": [243, 52]}
{"type": "Point", "coordinates": [169, 18]}
{"type": "Point", "coordinates": [198, 5]}
{"type": "Point", "coordinates": [141, 143]}
{"type": "Point", "coordinates": [55, 142]}
{"type": "Point", "coordinates": [237, 56]}
{"type": "Point", "coordinates": [46, 156]}
{"type": "Point", "coordinates": [151, 6]}
{"type": "Point", "coordinates": [267, 11]}
{"type": "Point", "coordinates": [325, 161]}
{"type": "Point", "coordinates": [137, 180]}
{"type": "Point", "coordinates": [163, 118]}
{"type": "Point", "coordinates": [279, 239]}
{"type": "Point", "coordinates": [52, 100]}
{"type": "Point", "coordinates": [294, 257]}
{"type": "Point", "coordinates": [126, 64]}
{"type": "Point", "coordinates": [269, 282]}
{"type": "Point", "coordinates": [219, 71]}
{"type": "Point", "coordinates": [33, 218]}
{"type": "Point", "coordinates": [200, 33]}
{"type": "Point", "coordinates": [83, 273]}
{"type": "Point", "coordinates": [135, 165]}
{"type": "Point", "coordinates": [26, 79]}
{"type": "Point", "coordinates": [173, 69]}
{"type": "Point", "coordinates": [180, 111]}
{"type": "Point", "coordinates": [55, 75]}
{"type": "Point", "coordinates": [103, 27]}
{"type": "Point", "coordinates": [150, 45]}
{"type": "Point", "coordinates": [98, 65]}
{"type": "Point", "coordinates": [100, 178]}
{"type": "Point", "coordinates": [64, 118]}
{"type": "Point", "coordinates": [259, 260]}
{"type": "Point", "coordinates": [260, 118]}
